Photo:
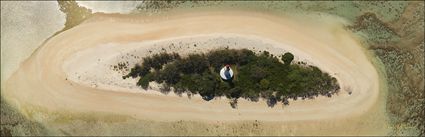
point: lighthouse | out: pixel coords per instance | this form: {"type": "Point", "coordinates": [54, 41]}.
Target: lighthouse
{"type": "Point", "coordinates": [226, 73]}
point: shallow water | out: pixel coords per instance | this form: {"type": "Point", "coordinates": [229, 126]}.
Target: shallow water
{"type": "Point", "coordinates": [110, 6]}
{"type": "Point", "coordinates": [24, 27]}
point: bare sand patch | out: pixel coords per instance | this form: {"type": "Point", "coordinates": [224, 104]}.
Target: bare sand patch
{"type": "Point", "coordinates": [43, 79]}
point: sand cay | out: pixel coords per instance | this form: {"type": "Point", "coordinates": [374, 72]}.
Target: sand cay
{"type": "Point", "coordinates": [47, 78]}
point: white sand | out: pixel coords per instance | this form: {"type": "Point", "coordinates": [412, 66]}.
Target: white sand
{"type": "Point", "coordinates": [41, 81]}
{"type": "Point", "coordinates": [99, 60]}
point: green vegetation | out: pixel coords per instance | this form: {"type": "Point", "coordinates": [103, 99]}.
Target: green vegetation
{"type": "Point", "coordinates": [256, 75]}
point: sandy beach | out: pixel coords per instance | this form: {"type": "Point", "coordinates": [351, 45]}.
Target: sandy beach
{"type": "Point", "coordinates": [72, 71]}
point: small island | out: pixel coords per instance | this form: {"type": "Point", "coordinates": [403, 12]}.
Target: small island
{"type": "Point", "coordinates": [253, 76]}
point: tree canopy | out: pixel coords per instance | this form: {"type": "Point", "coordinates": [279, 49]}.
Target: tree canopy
{"type": "Point", "coordinates": [287, 58]}
{"type": "Point", "coordinates": [256, 75]}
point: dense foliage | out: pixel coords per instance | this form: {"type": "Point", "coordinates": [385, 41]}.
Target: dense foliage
{"type": "Point", "coordinates": [256, 75]}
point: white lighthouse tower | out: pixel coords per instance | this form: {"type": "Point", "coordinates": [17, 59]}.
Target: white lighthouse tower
{"type": "Point", "coordinates": [226, 73]}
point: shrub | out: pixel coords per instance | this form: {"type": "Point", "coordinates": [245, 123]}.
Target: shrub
{"type": "Point", "coordinates": [287, 58]}
{"type": "Point", "coordinates": [258, 76]}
